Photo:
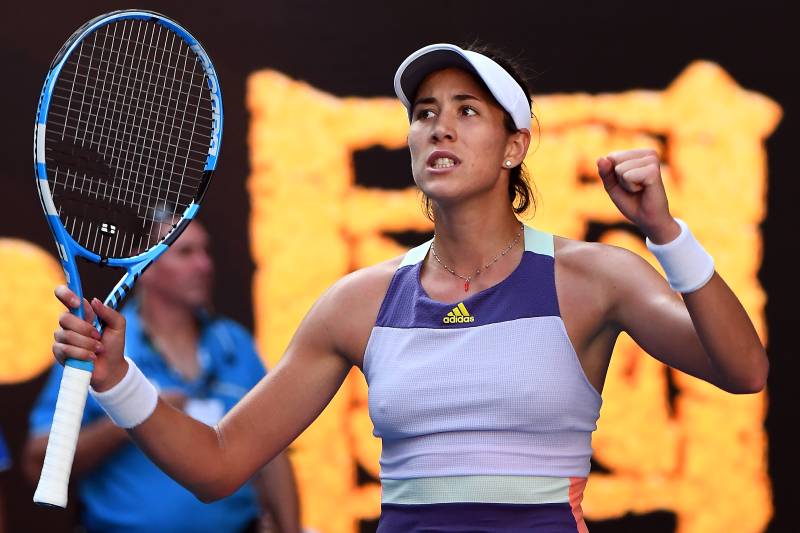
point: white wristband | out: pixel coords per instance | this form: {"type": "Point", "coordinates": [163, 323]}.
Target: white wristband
{"type": "Point", "coordinates": [687, 265]}
{"type": "Point", "coordinates": [131, 401]}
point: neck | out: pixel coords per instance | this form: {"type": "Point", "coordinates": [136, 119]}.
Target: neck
{"type": "Point", "coordinates": [471, 237]}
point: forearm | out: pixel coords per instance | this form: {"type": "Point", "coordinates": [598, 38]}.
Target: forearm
{"type": "Point", "coordinates": [736, 359]}
{"type": "Point", "coordinates": [190, 452]}
{"type": "Point", "coordinates": [278, 492]}
{"type": "Point", "coordinates": [728, 337]}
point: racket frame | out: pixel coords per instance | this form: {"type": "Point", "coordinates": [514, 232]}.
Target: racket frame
{"type": "Point", "coordinates": [54, 480]}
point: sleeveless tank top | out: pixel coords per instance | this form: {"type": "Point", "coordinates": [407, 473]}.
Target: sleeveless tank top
{"type": "Point", "coordinates": [482, 401]}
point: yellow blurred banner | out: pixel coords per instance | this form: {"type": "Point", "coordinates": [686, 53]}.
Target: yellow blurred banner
{"type": "Point", "coordinates": [702, 457]}
{"type": "Point", "coordinates": [30, 312]}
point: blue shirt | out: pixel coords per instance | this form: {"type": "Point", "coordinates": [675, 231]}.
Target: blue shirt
{"type": "Point", "coordinates": [5, 456]}
{"type": "Point", "coordinates": [128, 492]}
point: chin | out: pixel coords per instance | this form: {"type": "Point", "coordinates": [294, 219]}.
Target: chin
{"type": "Point", "coordinates": [195, 300]}
{"type": "Point", "coordinates": [447, 194]}
{"type": "Point", "coordinates": [441, 187]}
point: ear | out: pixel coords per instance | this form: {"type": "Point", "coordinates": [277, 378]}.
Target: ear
{"type": "Point", "coordinates": [517, 147]}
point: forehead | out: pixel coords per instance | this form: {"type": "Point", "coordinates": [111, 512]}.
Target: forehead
{"type": "Point", "coordinates": [452, 81]}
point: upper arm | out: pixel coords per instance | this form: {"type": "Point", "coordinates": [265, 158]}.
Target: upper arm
{"type": "Point", "coordinates": [326, 345]}
{"type": "Point", "coordinates": [287, 400]}
{"type": "Point", "coordinates": [236, 339]}
{"type": "Point", "coordinates": [644, 306]}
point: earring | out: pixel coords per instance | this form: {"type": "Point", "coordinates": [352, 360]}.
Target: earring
{"type": "Point", "coordinates": [508, 163]}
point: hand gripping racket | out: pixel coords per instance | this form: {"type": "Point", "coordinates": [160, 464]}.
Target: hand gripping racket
{"type": "Point", "coordinates": [127, 135]}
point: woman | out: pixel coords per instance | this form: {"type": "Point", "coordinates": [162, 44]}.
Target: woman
{"type": "Point", "coordinates": [484, 349]}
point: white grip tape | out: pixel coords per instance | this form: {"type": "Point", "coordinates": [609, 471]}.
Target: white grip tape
{"type": "Point", "coordinates": [686, 263]}
{"type": "Point", "coordinates": [131, 401]}
{"type": "Point", "coordinates": [53, 483]}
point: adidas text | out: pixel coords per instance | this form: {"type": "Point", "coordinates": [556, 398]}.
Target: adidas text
{"type": "Point", "coordinates": [458, 319]}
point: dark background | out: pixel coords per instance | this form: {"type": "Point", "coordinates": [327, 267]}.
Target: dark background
{"type": "Point", "coordinates": [353, 48]}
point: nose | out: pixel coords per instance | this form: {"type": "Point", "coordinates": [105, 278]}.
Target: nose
{"type": "Point", "coordinates": [443, 128]}
{"type": "Point", "coordinates": [203, 262]}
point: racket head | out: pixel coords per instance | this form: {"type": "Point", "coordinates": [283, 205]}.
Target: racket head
{"type": "Point", "coordinates": [127, 136]}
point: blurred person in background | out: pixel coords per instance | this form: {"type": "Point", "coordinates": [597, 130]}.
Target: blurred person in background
{"type": "Point", "coordinates": [5, 464]}
{"type": "Point", "coordinates": [202, 364]}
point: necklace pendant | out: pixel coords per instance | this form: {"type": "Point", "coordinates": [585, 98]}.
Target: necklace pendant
{"type": "Point", "coordinates": [466, 286]}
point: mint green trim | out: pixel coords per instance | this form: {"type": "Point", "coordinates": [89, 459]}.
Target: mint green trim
{"type": "Point", "coordinates": [416, 255]}
{"type": "Point", "coordinates": [536, 241]}
{"type": "Point", "coordinates": [539, 242]}
{"type": "Point", "coordinates": [476, 489]}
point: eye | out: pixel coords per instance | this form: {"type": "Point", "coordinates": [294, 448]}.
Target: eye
{"type": "Point", "coordinates": [468, 111]}
{"type": "Point", "coordinates": [424, 113]}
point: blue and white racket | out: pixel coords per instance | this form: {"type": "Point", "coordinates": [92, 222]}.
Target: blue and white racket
{"type": "Point", "coordinates": [128, 131]}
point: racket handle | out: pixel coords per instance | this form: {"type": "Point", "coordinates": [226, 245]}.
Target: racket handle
{"type": "Point", "coordinates": [54, 481]}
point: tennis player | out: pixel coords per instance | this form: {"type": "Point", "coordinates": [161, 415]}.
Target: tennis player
{"type": "Point", "coordinates": [485, 349]}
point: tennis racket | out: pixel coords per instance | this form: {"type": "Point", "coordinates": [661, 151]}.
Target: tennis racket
{"type": "Point", "coordinates": [128, 130]}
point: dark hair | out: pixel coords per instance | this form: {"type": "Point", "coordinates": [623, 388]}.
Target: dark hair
{"type": "Point", "coordinates": [520, 186]}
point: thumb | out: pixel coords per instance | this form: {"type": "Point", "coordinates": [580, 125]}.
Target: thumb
{"type": "Point", "coordinates": [605, 167]}
{"type": "Point", "coordinates": [111, 318]}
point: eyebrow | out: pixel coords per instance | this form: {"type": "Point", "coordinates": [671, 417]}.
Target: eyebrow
{"type": "Point", "coordinates": [432, 100]}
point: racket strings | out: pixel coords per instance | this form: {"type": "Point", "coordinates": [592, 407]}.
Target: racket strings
{"type": "Point", "coordinates": [167, 144]}
{"type": "Point", "coordinates": [101, 99]}
{"type": "Point", "coordinates": [87, 76]}
{"type": "Point", "coordinates": [100, 68]}
{"type": "Point", "coordinates": [130, 109]}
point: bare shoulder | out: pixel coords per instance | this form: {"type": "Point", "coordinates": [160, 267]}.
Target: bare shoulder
{"type": "Point", "coordinates": [350, 307]}
{"type": "Point", "coordinates": [603, 262]}
{"type": "Point", "coordinates": [610, 274]}
{"type": "Point", "coordinates": [365, 285]}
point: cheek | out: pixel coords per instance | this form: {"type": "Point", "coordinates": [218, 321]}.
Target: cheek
{"type": "Point", "coordinates": [168, 273]}
{"type": "Point", "coordinates": [492, 150]}
{"type": "Point", "coordinates": [415, 140]}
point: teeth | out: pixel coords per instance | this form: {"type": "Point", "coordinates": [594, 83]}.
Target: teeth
{"type": "Point", "coordinates": [444, 162]}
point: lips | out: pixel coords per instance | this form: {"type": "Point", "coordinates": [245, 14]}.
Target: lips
{"type": "Point", "coordinates": [441, 159]}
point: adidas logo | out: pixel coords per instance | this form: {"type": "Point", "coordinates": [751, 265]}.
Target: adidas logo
{"type": "Point", "coordinates": [458, 315]}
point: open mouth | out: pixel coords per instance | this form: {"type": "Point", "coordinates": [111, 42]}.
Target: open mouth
{"type": "Point", "coordinates": [443, 162]}
{"type": "Point", "coordinates": [440, 160]}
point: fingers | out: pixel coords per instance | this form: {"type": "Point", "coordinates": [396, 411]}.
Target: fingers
{"type": "Point", "coordinates": [67, 351]}
{"type": "Point", "coordinates": [82, 342]}
{"type": "Point", "coordinates": [70, 322]}
{"type": "Point", "coordinates": [635, 180]}
{"type": "Point", "coordinates": [636, 173]}
{"type": "Point", "coordinates": [621, 156]}
{"type": "Point", "coordinates": [88, 312]}
{"type": "Point", "coordinates": [70, 300]}
{"type": "Point", "coordinates": [67, 297]}
{"type": "Point", "coordinates": [112, 319]}
{"type": "Point", "coordinates": [72, 344]}
{"type": "Point", "coordinates": [77, 338]}
{"type": "Point", "coordinates": [639, 162]}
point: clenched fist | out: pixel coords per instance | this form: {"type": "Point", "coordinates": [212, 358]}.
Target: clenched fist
{"type": "Point", "coordinates": [632, 178]}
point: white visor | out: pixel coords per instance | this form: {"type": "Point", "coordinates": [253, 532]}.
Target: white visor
{"type": "Point", "coordinates": [505, 90]}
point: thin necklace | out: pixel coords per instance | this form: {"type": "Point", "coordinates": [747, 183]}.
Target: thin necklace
{"type": "Point", "coordinates": [468, 279]}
